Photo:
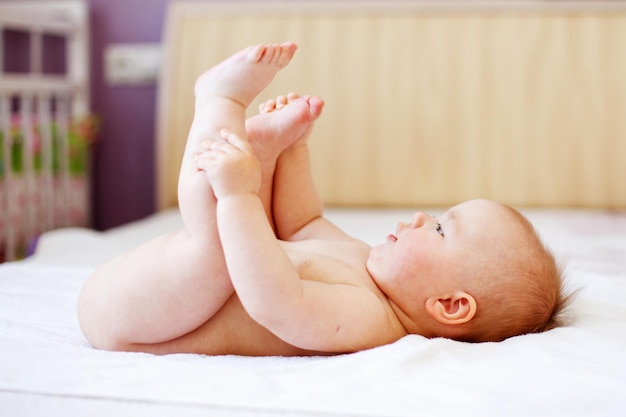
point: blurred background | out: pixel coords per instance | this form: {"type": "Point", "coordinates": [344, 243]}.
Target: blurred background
{"type": "Point", "coordinates": [129, 34]}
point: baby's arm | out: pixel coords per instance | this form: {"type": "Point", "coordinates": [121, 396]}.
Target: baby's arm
{"type": "Point", "coordinates": [307, 314]}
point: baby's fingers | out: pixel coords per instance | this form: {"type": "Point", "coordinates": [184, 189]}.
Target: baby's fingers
{"type": "Point", "coordinates": [205, 159]}
{"type": "Point", "coordinates": [214, 145]}
{"type": "Point", "coordinates": [236, 141]}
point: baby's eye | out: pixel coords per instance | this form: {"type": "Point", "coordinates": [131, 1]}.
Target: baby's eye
{"type": "Point", "coordinates": [439, 229]}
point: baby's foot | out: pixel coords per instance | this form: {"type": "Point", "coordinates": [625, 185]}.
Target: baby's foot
{"type": "Point", "coordinates": [245, 74]}
{"type": "Point", "coordinates": [282, 122]}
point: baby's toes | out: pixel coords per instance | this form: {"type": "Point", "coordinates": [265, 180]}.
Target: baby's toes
{"type": "Point", "coordinates": [268, 107]}
{"type": "Point", "coordinates": [292, 97]}
{"type": "Point", "coordinates": [281, 101]}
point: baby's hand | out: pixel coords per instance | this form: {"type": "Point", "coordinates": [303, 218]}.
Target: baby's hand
{"type": "Point", "coordinates": [230, 165]}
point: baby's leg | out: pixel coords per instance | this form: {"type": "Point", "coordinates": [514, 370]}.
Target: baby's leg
{"type": "Point", "coordinates": [272, 131]}
{"type": "Point", "coordinates": [295, 200]}
{"type": "Point", "coordinates": [174, 283]}
{"type": "Point", "coordinates": [222, 96]}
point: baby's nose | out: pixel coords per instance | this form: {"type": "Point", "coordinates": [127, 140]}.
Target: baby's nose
{"type": "Point", "coordinates": [420, 219]}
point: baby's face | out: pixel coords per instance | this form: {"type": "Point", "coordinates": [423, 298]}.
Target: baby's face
{"type": "Point", "coordinates": [432, 256]}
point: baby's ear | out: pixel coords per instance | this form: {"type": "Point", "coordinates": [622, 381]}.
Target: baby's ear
{"type": "Point", "coordinates": [456, 308]}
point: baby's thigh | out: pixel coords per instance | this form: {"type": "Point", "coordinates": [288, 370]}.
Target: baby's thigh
{"type": "Point", "coordinates": [158, 291]}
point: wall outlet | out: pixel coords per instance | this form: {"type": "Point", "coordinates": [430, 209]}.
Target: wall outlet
{"type": "Point", "coordinates": [132, 63]}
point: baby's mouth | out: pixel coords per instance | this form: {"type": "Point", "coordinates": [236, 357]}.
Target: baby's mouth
{"type": "Point", "coordinates": [392, 238]}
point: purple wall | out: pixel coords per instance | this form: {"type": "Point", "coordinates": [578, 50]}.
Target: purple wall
{"type": "Point", "coordinates": [123, 168]}
{"type": "Point", "coordinates": [123, 174]}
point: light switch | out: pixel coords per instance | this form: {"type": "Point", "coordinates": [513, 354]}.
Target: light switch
{"type": "Point", "coordinates": [132, 63]}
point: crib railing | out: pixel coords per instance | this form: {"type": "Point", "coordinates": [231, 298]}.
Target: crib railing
{"type": "Point", "coordinates": [44, 131]}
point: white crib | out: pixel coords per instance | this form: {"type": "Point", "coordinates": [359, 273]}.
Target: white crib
{"type": "Point", "coordinates": [44, 180]}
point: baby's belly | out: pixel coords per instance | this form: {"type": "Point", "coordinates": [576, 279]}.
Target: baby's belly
{"type": "Point", "coordinates": [233, 331]}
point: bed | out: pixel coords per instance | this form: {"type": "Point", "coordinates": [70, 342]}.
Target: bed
{"type": "Point", "coordinates": [47, 367]}
{"type": "Point", "coordinates": [46, 364]}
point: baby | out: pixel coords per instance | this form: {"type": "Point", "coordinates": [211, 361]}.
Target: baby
{"type": "Point", "coordinates": [258, 270]}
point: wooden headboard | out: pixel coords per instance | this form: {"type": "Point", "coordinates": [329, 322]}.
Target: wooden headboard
{"type": "Point", "coordinates": [428, 103]}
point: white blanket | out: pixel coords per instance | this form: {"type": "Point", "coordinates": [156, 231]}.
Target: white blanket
{"type": "Point", "coordinates": [47, 367]}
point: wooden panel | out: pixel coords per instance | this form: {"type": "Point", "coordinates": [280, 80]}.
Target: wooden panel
{"type": "Point", "coordinates": [429, 106]}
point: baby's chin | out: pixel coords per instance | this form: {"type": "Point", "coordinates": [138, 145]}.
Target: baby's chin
{"type": "Point", "coordinates": [372, 265]}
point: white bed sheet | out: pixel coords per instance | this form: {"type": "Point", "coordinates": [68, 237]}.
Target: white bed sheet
{"type": "Point", "coordinates": [47, 367]}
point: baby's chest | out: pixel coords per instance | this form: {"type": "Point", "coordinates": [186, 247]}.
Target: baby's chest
{"type": "Point", "coordinates": [333, 265]}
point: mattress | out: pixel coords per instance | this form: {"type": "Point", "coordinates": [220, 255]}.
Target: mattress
{"type": "Point", "coordinates": [47, 366]}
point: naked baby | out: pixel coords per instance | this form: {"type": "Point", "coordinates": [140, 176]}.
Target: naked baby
{"type": "Point", "coordinates": [258, 270]}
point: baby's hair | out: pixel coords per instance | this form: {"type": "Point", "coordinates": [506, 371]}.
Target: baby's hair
{"type": "Point", "coordinates": [523, 294]}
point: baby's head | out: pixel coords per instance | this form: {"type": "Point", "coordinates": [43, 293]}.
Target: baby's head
{"type": "Point", "coordinates": [477, 273]}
